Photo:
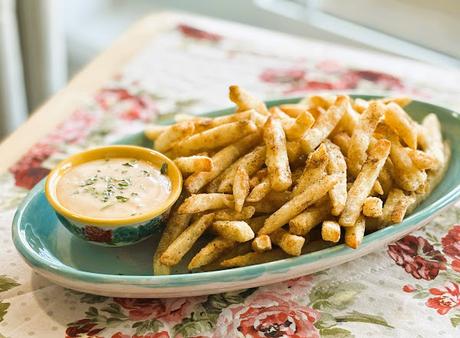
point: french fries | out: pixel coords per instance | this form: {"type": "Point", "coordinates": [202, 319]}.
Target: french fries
{"type": "Point", "coordinates": [266, 184]}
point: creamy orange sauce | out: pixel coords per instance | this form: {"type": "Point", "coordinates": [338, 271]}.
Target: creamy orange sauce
{"type": "Point", "coordinates": [113, 188]}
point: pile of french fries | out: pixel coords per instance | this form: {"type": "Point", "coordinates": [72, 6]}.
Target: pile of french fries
{"type": "Point", "coordinates": [267, 183]}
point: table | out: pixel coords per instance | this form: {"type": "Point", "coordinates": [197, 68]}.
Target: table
{"type": "Point", "coordinates": [172, 63]}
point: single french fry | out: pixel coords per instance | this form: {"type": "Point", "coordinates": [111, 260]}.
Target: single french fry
{"type": "Point", "coordinates": [386, 176]}
{"type": "Point", "coordinates": [184, 242]}
{"type": "Point", "coordinates": [221, 160]}
{"type": "Point", "coordinates": [193, 164]}
{"type": "Point", "coordinates": [315, 169]}
{"type": "Point", "coordinates": [262, 243]}
{"type": "Point", "coordinates": [294, 152]}
{"type": "Point", "coordinates": [324, 125]}
{"type": "Point", "coordinates": [259, 191]}
{"type": "Point", "coordinates": [289, 243]}
{"type": "Point", "coordinates": [240, 188]}
{"type": "Point", "coordinates": [213, 138]}
{"type": "Point", "coordinates": [401, 123]}
{"type": "Point", "coordinates": [354, 235]}
{"type": "Point", "coordinates": [154, 130]}
{"type": "Point", "coordinates": [210, 252]}
{"type": "Point", "coordinates": [203, 202]}
{"type": "Point", "coordinates": [238, 231]}
{"type": "Point", "coordinates": [251, 163]}
{"type": "Point", "coordinates": [373, 207]}
{"type": "Point", "coordinates": [232, 215]}
{"type": "Point", "coordinates": [422, 160]}
{"type": "Point", "coordinates": [349, 121]}
{"type": "Point", "coordinates": [361, 137]}
{"type": "Point", "coordinates": [364, 182]}
{"type": "Point", "coordinates": [342, 140]}
{"type": "Point", "coordinates": [360, 105]}
{"type": "Point", "coordinates": [175, 226]}
{"type": "Point", "coordinates": [395, 206]}
{"type": "Point", "coordinates": [319, 101]}
{"type": "Point", "coordinates": [431, 139]}
{"type": "Point", "coordinates": [276, 155]}
{"type": "Point", "coordinates": [302, 123]}
{"type": "Point", "coordinates": [330, 231]}
{"type": "Point", "coordinates": [237, 250]}
{"type": "Point", "coordinates": [297, 204]}
{"type": "Point", "coordinates": [253, 258]}
{"type": "Point", "coordinates": [245, 101]}
{"type": "Point", "coordinates": [304, 222]}
{"type": "Point", "coordinates": [336, 165]}
{"type": "Point", "coordinates": [293, 109]}
{"type": "Point", "coordinates": [173, 135]}
{"type": "Point", "coordinates": [402, 101]}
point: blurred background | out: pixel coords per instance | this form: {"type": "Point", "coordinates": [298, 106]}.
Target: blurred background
{"type": "Point", "coordinates": [43, 43]}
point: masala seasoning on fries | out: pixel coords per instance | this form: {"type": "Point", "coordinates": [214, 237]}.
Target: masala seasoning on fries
{"type": "Point", "coordinates": [268, 183]}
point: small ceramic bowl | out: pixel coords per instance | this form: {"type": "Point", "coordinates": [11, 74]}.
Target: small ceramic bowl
{"type": "Point", "coordinates": [117, 231]}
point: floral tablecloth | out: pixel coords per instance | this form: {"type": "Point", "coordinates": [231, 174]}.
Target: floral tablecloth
{"type": "Point", "coordinates": [409, 289]}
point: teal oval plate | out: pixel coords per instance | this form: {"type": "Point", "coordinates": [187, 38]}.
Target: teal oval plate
{"type": "Point", "coordinates": [66, 260]}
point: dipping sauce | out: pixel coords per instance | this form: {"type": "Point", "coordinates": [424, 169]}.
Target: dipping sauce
{"type": "Point", "coordinates": [113, 188]}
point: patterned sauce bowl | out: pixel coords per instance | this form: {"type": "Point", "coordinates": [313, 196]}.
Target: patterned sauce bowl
{"type": "Point", "coordinates": [115, 231]}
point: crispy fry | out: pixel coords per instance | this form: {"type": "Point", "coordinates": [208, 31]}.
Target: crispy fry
{"type": "Point", "coordinates": [153, 131]}
{"type": "Point", "coordinates": [259, 191]}
{"type": "Point", "coordinates": [285, 119]}
{"type": "Point", "coordinates": [261, 243]}
{"type": "Point", "coordinates": [315, 169]}
{"type": "Point", "coordinates": [337, 166]}
{"type": "Point", "coordinates": [355, 234]}
{"type": "Point", "coordinates": [221, 160]}
{"type": "Point", "coordinates": [193, 164]}
{"type": "Point", "coordinates": [366, 178]}
{"type": "Point", "coordinates": [184, 242]}
{"type": "Point", "coordinates": [210, 252]}
{"type": "Point", "coordinates": [253, 258]}
{"type": "Point", "coordinates": [402, 101]}
{"type": "Point", "coordinates": [422, 160]}
{"type": "Point", "coordinates": [276, 157]}
{"type": "Point", "coordinates": [396, 206]}
{"type": "Point", "coordinates": [308, 219]}
{"type": "Point", "coordinates": [294, 110]}
{"type": "Point", "coordinates": [372, 207]}
{"type": "Point", "coordinates": [401, 123]}
{"type": "Point", "coordinates": [360, 105]}
{"type": "Point", "coordinates": [291, 244]}
{"type": "Point", "coordinates": [297, 204]}
{"type": "Point", "coordinates": [203, 202]}
{"type": "Point", "coordinates": [342, 140]}
{"type": "Point", "coordinates": [232, 215]}
{"type": "Point", "coordinates": [174, 134]}
{"type": "Point", "coordinates": [431, 139]}
{"type": "Point", "coordinates": [294, 152]}
{"type": "Point", "coordinates": [324, 125]}
{"type": "Point", "coordinates": [238, 231]}
{"type": "Point", "coordinates": [240, 188]}
{"type": "Point", "coordinates": [407, 175]}
{"type": "Point", "coordinates": [361, 138]}
{"type": "Point", "coordinates": [330, 231]}
{"type": "Point", "coordinates": [302, 123]}
{"type": "Point", "coordinates": [245, 101]}
{"type": "Point", "coordinates": [348, 122]}
{"type": "Point", "coordinates": [250, 162]}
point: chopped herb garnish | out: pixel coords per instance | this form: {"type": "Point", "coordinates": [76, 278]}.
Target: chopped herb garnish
{"type": "Point", "coordinates": [130, 163]}
{"type": "Point", "coordinates": [122, 199]}
{"type": "Point", "coordinates": [123, 184]}
{"type": "Point", "coordinates": [107, 206]}
{"type": "Point", "coordinates": [164, 168]}
{"type": "Point", "coordinates": [89, 181]}
{"type": "Point", "coordinates": [134, 194]}
{"type": "Point", "coordinates": [146, 173]}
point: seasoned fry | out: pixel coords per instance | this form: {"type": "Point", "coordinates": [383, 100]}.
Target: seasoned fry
{"type": "Point", "coordinates": [238, 231]}
{"type": "Point", "coordinates": [308, 219]}
{"type": "Point", "coordinates": [401, 123]}
{"type": "Point", "coordinates": [407, 175]}
{"type": "Point", "coordinates": [336, 165]}
{"type": "Point", "coordinates": [276, 157]}
{"type": "Point", "coordinates": [355, 234]}
{"type": "Point", "coordinates": [297, 204]}
{"type": "Point", "coordinates": [366, 178]}
{"type": "Point", "coordinates": [214, 138]}
{"type": "Point", "coordinates": [402, 101]}
{"type": "Point", "coordinates": [232, 215]}
{"type": "Point", "coordinates": [240, 188]}
{"type": "Point", "coordinates": [315, 169]}
{"type": "Point", "coordinates": [348, 122]}
{"type": "Point", "coordinates": [262, 243]}
{"type": "Point", "coordinates": [210, 252]}
{"type": "Point", "coordinates": [245, 101]}
{"type": "Point", "coordinates": [193, 164]}
{"type": "Point", "coordinates": [396, 206]}
{"type": "Point", "coordinates": [253, 258]}
{"type": "Point", "coordinates": [250, 162]}
{"type": "Point", "coordinates": [294, 110]}
{"type": "Point", "coordinates": [184, 242]}
{"type": "Point", "coordinates": [170, 137]}
{"type": "Point", "coordinates": [203, 202]}
{"type": "Point", "coordinates": [422, 160]}
{"type": "Point", "coordinates": [342, 140]}
{"type": "Point", "coordinates": [431, 140]}
{"type": "Point", "coordinates": [361, 138]}
{"type": "Point", "coordinates": [294, 151]}
{"type": "Point", "coordinates": [302, 123]}
{"type": "Point", "coordinates": [153, 131]}
{"type": "Point", "coordinates": [330, 231]}
{"type": "Point", "coordinates": [360, 105]}
{"type": "Point", "coordinates": [259, 191]}
{"type": "Point", "coordinates": [221, 160]}
{"type": "Point", "coordinates": [373, 207]}
{"type": "Point", "coordinates": [324, 124]}
{"type": "Point", "coordinates": [289, 243]}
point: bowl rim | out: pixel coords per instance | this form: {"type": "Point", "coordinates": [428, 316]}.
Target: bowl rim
{"type": "Point", "coordinates": [174, 174]}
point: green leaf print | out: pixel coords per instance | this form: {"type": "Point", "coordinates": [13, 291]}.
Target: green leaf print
{"type": "Point", "coordinates": [330, 295]}
{"type": "Point", "coordinates": [455, 320]}
{"type": "Point", "coordinates": [145, 326]}
{"type": "Point", "coordinates": [198, 323]}
{"type": "Point", "coordinates": [7, 283]}
{"type": "Point", "coordinates": [3, 309]}
{"type": "Point", "coordinates": [92, 299]}
{"type": "Point", "coordinates": [335, 332]}
{"type": "Point", "coordinates": [356, 316]}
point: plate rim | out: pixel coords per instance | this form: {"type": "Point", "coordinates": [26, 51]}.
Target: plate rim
{"type": "Point", "coordinates": [230, 275]}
